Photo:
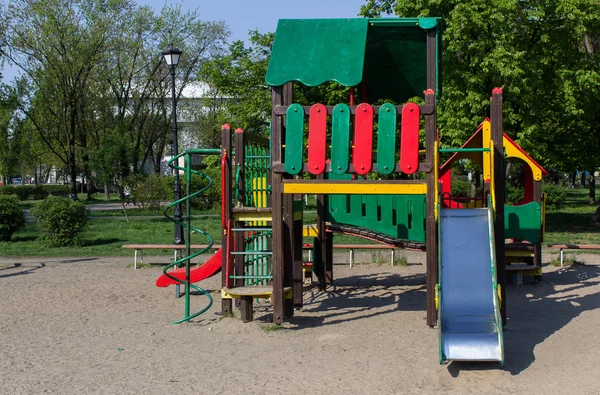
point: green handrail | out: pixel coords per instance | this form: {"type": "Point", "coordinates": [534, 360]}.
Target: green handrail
{"type": "Point", "coordinates": [189, 229]}
{"type": "Point", "coordinates": [464, 150]}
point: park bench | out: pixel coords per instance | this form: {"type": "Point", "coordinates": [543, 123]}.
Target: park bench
{"type": "Point", "coordinates": [353, 247]}
{"type": "Point", "coordinates": [175, 247]}
{"type": "Point", "coordinates": [563, 247]}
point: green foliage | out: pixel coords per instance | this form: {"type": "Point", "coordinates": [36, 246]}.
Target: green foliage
{"type": "Point", "coordinates": [38, 192]}
{"type": "Point", "coordinates": [555, 195]}
{"type": "Point", "coordinates": [7, 189]}
{"type": "Point", "coordinates": [514, 195]}
{"type": "Point", "coordinates": [545, 56]}
{"type": "Point", "coordinates": [461, 188]}
{"type": "Point", "coordinates": [151, 192]}
{"type": "Point", "coordinates": [12, 217]}
{"type": "Point", "coordinates": [23, 192]}
{"type": "Point", "coordinates": [62, 220]}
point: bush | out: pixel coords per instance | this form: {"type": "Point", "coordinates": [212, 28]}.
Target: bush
{"type": "Point", "coordinates": [461, 188]}
{"type": "Point", "coordinates": [514, 195]}
{"type": "Point", "coordinates": [57, 190]}
{"type": "Point", "coordinates": [150, 192]}
{"type": "Point", "coordinates": [23, 191]}
{"type": "Point", "coordinates": [555, 195]}
{"type": "Point", "coordinates": [39, 193]}
{"type": "Point", "coordinates": [7, 190]}
{"type": "Point", "coordinates": [62, 220]}
{"type": "Point", "coordinates": [12, 217]}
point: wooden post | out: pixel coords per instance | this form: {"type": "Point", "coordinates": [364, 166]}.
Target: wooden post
{"type": "Point", "coordinates": [499, 181]}
{"type": "Point", "coordinates": [238, 237]}
{"type": "Point", "coordinates": [226, 305]}
{"type": "Point", "coordinates": [537, 247]}
{"type": "Point", "coordinates": [288, 226]}
{"type": "Point", "coordinates": [277, 206]}
{"type": "Point", "coordinates": [321, 250]}
{"type": "Point", "coordinates": [246, 308]}
{"type": "Point", "coordinates": [431, 137]}
{"type": "Point", "coordinates": [297, 250]}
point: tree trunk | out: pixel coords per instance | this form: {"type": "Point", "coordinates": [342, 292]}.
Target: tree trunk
{"type": "Point", "coordinates": [72, 167]}
{"type": "Point", "coordinates": [106, 192]}
{"type": "Point", "coordinates": [592, 186]}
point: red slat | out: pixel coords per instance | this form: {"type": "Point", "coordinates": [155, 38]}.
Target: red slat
{"type": "Point", "coordinates": [362, 154]}
{"type": "Point", "coordinates": [317, 136]}
{"type": "Point", "coordinates": [409, 146]}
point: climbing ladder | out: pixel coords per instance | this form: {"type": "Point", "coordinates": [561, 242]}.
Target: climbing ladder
{"type": "Point", "coordinates": [248, 222]}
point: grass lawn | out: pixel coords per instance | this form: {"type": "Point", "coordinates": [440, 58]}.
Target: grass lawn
{"type": "Point", "coordinates": [568, 223]}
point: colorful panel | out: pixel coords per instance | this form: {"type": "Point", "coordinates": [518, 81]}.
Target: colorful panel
{"type": "Point", "coordinates": [409, 146]}
{"type": "Point", "coordinates": [317, 135]}
{"type": "Point", "coordinates": [362, 157]}
{"type": "Point", "coordinates": [340, 138]}
{"type": "Point", "coordinates": [386, 139]}
{"type": "Point", "coordinates": [294, 126]}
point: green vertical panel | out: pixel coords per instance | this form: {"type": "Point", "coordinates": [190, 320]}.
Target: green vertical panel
{"type": "Point", "coordinates": [340, 138]}
{"type": "Point", "coordinates": [294, 136]}
{"type": "Point", "coordinates": [523, 222]}
{"type": "Point", "coordinates": [386, 139]}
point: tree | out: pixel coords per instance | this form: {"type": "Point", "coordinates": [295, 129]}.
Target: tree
{"type": "Point", "coordinates": [544, 54]}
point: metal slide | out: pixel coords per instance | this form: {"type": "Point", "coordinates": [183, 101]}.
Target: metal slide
{"type": "Point", "coordinates": [470, 326]}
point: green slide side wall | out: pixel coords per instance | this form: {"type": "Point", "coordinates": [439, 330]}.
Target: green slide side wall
{"type": "Point", "coordinates": [523, 222]}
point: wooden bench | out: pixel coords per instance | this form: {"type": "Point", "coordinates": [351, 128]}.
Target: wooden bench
{"type": "Point", "coordinates": [563, 247]}
{"type": "Point", "coordinates": [352, 247]}
{"type": "Point", "coordinates": [175, 247]}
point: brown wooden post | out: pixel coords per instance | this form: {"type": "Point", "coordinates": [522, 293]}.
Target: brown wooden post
{"type": "Point", "coordinates": [288, 226]}
{"type": "Point", "coordinates": [297, 250]}
{"type": "Point", "coordinates": [226, 305]}
{"type": "Point", "coordinates": [431, 231]}
{"type": "Point", "coordinates": [246, 308]}
{"type": "Point", "coordinates": [277, 206]}
{"type": "Point", "coordinates": [320, 257]}
{"type": "Point", "coordinates": [537, 247]}
{"type": "Point", "coordinates": [238, 237]}
{"type": "Point", "coordinates": [499, 182]}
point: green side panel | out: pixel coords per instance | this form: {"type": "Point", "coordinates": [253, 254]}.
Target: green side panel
{"type": "Point", "coordinates": [398, 216]}
{"type": "Point", "coordinates": [314, 51]}
{"type": "Point", "coordinates": [386, 139]}
{"type": "Point", "coordinates": [523, 222]}
{"type": "Point", "coordinates": [340, 138]}
{"type": "Point", "coordinates": [396, 58]}
{"type": "Point", "coordinates": [294, 136]}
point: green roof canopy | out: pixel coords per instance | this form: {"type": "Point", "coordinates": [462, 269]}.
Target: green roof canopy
{"type": "Point", "coordinates": [388, 54]}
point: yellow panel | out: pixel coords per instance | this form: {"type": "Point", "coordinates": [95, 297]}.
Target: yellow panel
{"type": "Point", "coordinates": [230, 294]}
{"type": "Point", "coordinates": [252, 217]}
{"type": "Point", "coordinates": [519, 253]}
{"type": "Point", "coordinates": [356, 188]}
{"type": "Point", "coordinates": [260, 197]}
{"type": "Point", "coordinates": [310, 231]}
{"type": "Point", "coordinates": [514, 152]}
{"type": "Point", "coordinates": [487, 138]}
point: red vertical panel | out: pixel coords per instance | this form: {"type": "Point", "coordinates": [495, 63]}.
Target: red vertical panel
{"type": "Point", "coordinates": [317, 138]}
{"type": "Point", "coordinates": [409, 146]}
{"type": "Point", "coordinates": [362, 156]}
{"type": "Point", "coordinates": [528, 185]}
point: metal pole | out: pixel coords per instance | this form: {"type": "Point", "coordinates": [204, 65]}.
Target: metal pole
{"type": "Point", "coordinates": [178, 228]}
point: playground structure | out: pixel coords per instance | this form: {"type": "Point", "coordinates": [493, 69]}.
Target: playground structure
{"type": "Point", "coordinates": [405, 201]}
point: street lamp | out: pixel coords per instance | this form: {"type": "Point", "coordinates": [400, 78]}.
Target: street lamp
{"type": "Point", "coordinates": [171, 55]}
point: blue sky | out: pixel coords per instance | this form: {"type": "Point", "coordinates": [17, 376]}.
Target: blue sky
{"type": "Point", "coordinates": [244, 15]}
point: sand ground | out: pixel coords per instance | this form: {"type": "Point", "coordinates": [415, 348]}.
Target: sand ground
{"type": "Point", "coordinates": [96, 326]}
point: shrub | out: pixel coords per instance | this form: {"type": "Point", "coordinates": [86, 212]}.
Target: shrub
{"type": "Point", "coordinates": [7, 190]}
{"type": "Point", "coordinates": [12, 217]}
{"type": "Point", "coordinates": [23, 191]}
{"type": "Point", "coordinates": [57, 190]}
{"type": "Point", "coordinates": [555, 195]}
{"type": "Point", "coordinates": [38, 192]}
{"type": "Point", "coordinates": [514, 195]}
{"type": "Point", "coordinates": [150, 192]}
{"type": "Point", "coordinates": [62, 220]}
{"type": "Point", "coordinates": [461, 188]}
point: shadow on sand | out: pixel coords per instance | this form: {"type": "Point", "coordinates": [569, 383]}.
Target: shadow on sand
{"type": "Point", "coordinates": [535, 312]}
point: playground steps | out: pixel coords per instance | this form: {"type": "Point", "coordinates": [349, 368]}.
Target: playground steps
{"type": "Point", "coordinates": [246, 295]}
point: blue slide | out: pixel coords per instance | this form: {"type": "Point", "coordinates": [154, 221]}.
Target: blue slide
{"type": "Point", "coordinates": [470, 325]}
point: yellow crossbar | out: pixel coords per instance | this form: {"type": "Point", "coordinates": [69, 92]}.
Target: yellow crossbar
{"type": "Point", "coordinates": [252, 217]}
{"type": "Point", "coordinates": [357, 188]}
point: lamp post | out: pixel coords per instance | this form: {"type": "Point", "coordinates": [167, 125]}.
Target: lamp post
{"type": "Point", "coordinates": [171, 55]}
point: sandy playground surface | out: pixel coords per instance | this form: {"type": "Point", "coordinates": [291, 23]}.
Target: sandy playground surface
{"type": "Point", "coordinates": [96, 326]}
